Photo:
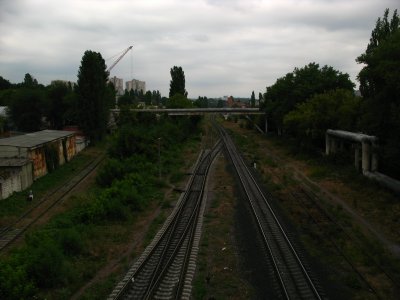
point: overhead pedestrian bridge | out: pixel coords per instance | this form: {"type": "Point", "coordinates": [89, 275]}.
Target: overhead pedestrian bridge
{"type": "Point", "coordinates": [196, 111]}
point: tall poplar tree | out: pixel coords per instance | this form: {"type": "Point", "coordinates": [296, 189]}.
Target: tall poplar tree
{"type": "Point", "coordinates": [253, 99]}
{"type": "Point", "coordinates": [380, 88]}
{"type": "Point", "coordinates": [93, 96]}
{"type": "Point", "coordinates": [177, 84]}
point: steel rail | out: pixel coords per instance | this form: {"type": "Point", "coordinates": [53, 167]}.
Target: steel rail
{"type": "Point", "coordinates": [248, 181]}
{"type": "Point", "coordinates": [64, 189]}
{"type": "Point", "coordinates": [159, 258]}
{"type": "Point", "coordinates": [190, 228]}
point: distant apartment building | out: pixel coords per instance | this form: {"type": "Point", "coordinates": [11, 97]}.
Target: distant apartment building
{"type": "Point", "coordinates": [135, 85]}
{"type": "Point", "coordinates": [118, 85]}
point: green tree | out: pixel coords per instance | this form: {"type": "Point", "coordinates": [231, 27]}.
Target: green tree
{"type": "Point", "coordinates": [156, 98]}
{"type": "Point", "coordinates": [29, 81]}
{"type": "Point", "coordinates": [379, 85]}
{"type": "Point", "coordinates": [177, 84]}
{"type": "Point", "coordinates": [26, 109]}
{"type": "Point", "coordinates": [4, 84]}
{"type": "Point", "coordinates": [147, 97]}
{"type": "Point", "coordinates": [128, 98]}
{"type": "Point", "coordinates": [57, 104]}
{"type": "Point", "coordinates": [298, 87]}
{"type": "Point", "coordinates": [253, 99]}
{"type": "Point", "coordinates": [372, 82]}
{"type": "Point", "coordinates": [178, 101]}
{"type": "Point", "coordinates": [94, 97]}
{"type": "Point", "coordinates": [201, 102]}
{"type": "Point", "coordinates": [308, 122]}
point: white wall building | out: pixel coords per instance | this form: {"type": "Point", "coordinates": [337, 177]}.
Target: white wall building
{"type": "Point", "coordinates": [135, 85]}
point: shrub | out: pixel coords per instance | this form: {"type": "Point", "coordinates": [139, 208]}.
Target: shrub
{"type": "Point", "coordinates": [70, 241]}
{"type": "Point", "coordinates": [111, 170]}
{"type": "Point", "coordinates": [45, 263]}
{"type": "Point", "coordinates": [14, 281]}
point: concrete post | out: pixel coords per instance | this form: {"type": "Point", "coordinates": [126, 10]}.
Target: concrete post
{"type": "Point", "coordinates": [357, 155]}
{"type": "Point", "coordinates": [366, 157]}
{"type": "Point", "coordinates": [327, 144]}
{"type": "Point", "coordinates": [374, 158]}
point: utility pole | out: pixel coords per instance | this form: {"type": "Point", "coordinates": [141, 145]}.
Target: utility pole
{"type": "Point", "coordinates": [159, 158]}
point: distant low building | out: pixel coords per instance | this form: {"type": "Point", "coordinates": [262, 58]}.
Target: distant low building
{"type": "Point", "coordinates": [46, 149]}
{"type": "Point", "coordinates": [15, 175]}
{"type": "Point", "coordinates": [231, 102]}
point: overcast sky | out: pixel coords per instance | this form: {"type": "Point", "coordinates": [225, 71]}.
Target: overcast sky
{"type": "Point", "coordinates": [225, 47]}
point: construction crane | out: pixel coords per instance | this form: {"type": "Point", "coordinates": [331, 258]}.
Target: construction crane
{"type": "Point", "coordinates": [119, 58]}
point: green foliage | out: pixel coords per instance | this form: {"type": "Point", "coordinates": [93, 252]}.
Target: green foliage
{"type": "Point", "coordinates": [309, 121]}
{"type": "Point", "coordinates": [178, 101]}
{"type": "Point", "coordinates": [370, 82]}
{"type": "Point", "coordinates": [95, 97]}
{"type": "Point", "coordinates": [70, 241]}
{"type": "Point", "coordinates": [57, 105]}
{"type": "Point", "coordinates": [26, 108]}
{"type": "Point", "coordinates": [14, 281]}
{"type": "Point", "coordinates": [201, 102]}
{"type": "Point", "coordinates": [129, 182]}
{"type": "Point", "coordinates": [147, 98]}
{"type": "Point", "coordinates": [379, 85]}
{"type": "Point", "coordinates": [113, 169]}
{"type": "Point", "coordinates": [4, 83]}
{"type": "Point", "coordinates": [177, 84]}
{"type": "Point", "coordinates": [299, 86]}
{"type": "Point", "coordinates": [45, 261]}
{"type": "Point", "coordinates": [29, 81]}
{"type": "Point", "coordinates": [128, 98]}
{"type": "Point", "coordinates": [253, 99]}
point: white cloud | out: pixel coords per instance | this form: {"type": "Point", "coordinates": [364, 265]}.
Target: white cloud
{"type": "Point", "coordinates": [224, 46]}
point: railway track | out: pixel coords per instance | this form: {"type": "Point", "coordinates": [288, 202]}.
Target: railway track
{"type": "Point", "coordinates": [11, 233]}
{"type": "Point", "coordinates": [325, 222]}
{"type": "Point", "coordinates": [293, 276]}
{"type": "Point", "coordinates": [165, 268]}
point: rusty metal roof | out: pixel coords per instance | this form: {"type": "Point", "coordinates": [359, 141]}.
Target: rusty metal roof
{"type": "Point", "coordinates": [34, 139]}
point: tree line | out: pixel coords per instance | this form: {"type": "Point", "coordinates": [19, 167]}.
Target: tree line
{"type": "Point", "coordinates": [33, 106]}
{"type": "Point", "coordinates": [305, 103]}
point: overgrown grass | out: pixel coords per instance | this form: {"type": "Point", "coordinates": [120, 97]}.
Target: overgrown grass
{"type": "Point", "coordinates": [68, 251]}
